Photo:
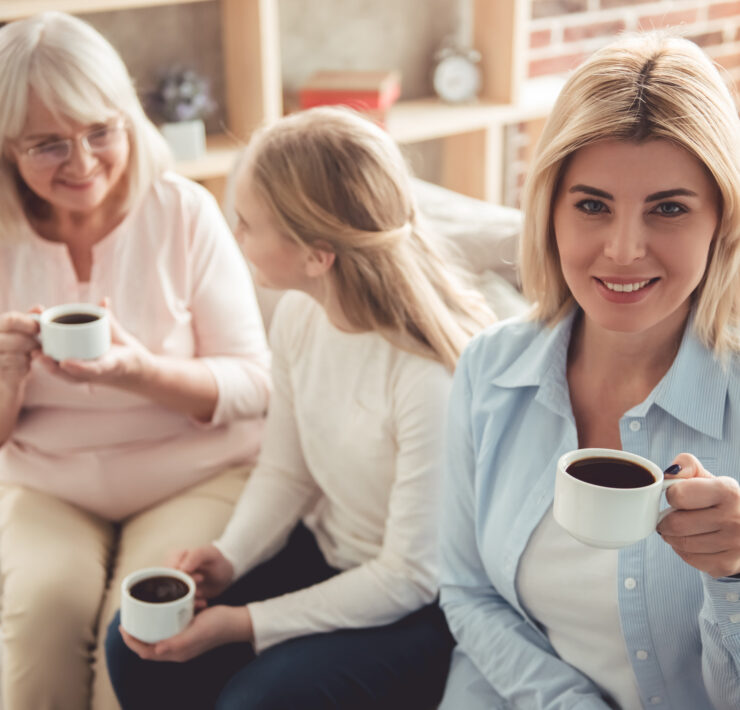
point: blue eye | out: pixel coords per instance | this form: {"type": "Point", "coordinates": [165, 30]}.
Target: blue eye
{"type": "Point", "coordinates": [670, 209]}
{"type": "Point", "coordinates": [591, 206]}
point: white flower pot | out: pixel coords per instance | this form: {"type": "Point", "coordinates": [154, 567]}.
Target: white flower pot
{"type": "Point", "coordinates": [187, 139]}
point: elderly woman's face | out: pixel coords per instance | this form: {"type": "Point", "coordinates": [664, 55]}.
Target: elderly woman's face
{"type": "Point", "coordinates": [74, 167]}
{"type": "Point", "coordinates": [633, 225]}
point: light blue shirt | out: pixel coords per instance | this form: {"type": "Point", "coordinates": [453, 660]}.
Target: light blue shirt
{"type": "Point", "coordinates": [509, 421]}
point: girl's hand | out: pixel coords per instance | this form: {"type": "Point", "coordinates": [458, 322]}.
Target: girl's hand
{"type": "Point", "coordinates": [212, 572]}
{"type": "Point", "coordinates": [18, 346]}
{"type": "Point", "coordinates": [215, 626]}
{"type": "Point", "coordinates": [704, 530]}
{"type": "Point", "coordinates": [124, 365]}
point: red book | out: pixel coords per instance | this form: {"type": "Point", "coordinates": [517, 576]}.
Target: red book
{"type": "Point", "coordinates": [361, 90]}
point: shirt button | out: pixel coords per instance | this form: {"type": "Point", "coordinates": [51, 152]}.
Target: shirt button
{"type": "Point", "coordinates": [734, 618]}
{"type": "Point", "coordinates": [732, 596]}
{"type": "Point", "coordinates": [642, 655]}
{"type": "Point", "coordinates": [634, 425]}
{"type": "Point", "coordinates": [656, 700]}
{"type": "Point", "coordinates": [630, 583]}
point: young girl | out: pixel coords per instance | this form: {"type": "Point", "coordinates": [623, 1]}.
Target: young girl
{"type": "Point", "coordinates": [631, 252]}
{"type": "Point", "coordinates": [331, 552]}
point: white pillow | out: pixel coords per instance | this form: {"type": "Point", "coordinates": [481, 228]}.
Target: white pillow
{"type": "Point", "coordinates": [486, 235]}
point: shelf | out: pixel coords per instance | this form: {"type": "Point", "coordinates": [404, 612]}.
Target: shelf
{"type": "Point", "coordinates": [428, 119]}
{"type": "Point", "coordinates": [15, 9]}
{"type": "Point", "coordinates": [221, 150]}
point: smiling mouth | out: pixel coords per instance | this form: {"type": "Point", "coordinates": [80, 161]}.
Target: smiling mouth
{"type": "Point", "coordinates": [627, 287]}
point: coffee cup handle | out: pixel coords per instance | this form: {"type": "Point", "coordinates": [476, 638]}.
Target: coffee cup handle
{"type": "Point", "coordinates": [669, 509]}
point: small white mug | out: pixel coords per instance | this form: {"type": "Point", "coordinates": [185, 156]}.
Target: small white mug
{"type": "Point", "coordinates": [74, 330]}
{"type": "Point", "coordinates": [604, 516]}
{"type": "Point", "coordinates": [148, 619]}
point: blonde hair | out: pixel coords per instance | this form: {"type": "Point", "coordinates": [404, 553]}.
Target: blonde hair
{"type": "Point", "coordinates": [78, 76]}
{"type": "Point", "coordinates": [335, 180]}
{"type": "Point", "coordinates": [638, 88]}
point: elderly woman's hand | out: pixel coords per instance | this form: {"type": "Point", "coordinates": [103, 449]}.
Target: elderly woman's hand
{"type": "Point", "coordinates": [704, 530]}
{"type": "Point", "coordinates": [123, 365]}
{"type": "Point", "coordinates": [18, 343]}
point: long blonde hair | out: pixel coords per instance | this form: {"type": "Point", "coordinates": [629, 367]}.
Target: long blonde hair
{"type": "Point", "coordinates": [336, 180]}
{"type": "Point", "coordinates": [641, 87]}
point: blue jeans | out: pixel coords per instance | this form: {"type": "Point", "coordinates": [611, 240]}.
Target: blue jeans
{"type": "Point", "coordinates": [401, 665]}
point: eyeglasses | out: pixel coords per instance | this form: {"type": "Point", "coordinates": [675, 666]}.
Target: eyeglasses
{"type": "Point", "coordinates": [98, 140]}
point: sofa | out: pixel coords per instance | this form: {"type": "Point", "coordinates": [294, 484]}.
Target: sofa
{"type": "Point", "coordinates": [481, 237]}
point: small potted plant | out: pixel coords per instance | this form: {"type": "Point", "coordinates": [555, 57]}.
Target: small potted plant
{"type": "Point", "coordinates": [181, 101]}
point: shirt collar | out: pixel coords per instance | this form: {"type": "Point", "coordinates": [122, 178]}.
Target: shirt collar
{"type": "Point", "coordinates": [694, 389]}
{"type": "Point", "coordinates": [543, 360]}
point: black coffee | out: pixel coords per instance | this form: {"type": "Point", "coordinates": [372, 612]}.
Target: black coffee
{"type": "Point", "coordinates": [75, 318]}
{"type": "Point", "coordinates": [611, 473]}
{"type": "Point", "coordinates": [159, 589]}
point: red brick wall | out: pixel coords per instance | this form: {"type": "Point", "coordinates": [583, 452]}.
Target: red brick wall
{"type": "Point", "coordinates": [564, 32]}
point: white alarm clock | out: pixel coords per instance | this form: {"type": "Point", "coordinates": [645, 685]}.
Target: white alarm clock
{"type": "Point", "coordinates": [456, 75]}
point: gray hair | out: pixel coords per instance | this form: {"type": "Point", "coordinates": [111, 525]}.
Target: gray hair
{"type": "Point", "coordinates": [78, 75]}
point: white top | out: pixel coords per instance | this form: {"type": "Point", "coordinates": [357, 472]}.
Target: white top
{"type": "Point", "coordinates": [179, 284]}
{"type": "Point", "coordinates": [353, 445]}
{"type": "Point", "coordinates": [578, 607]}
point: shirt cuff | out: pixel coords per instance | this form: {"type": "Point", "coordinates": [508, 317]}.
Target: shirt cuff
{"type": "Point", "coordinates": [722, 601]}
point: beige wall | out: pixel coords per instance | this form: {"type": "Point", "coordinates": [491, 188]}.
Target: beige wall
{"type": "Point", "coordinates": [314, 34]}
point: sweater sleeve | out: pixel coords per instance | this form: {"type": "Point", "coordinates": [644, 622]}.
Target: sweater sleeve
{"type": "Point", "coordinates": [403, 576]}
{"type": "Point", "coordinates": [280, 490]}
{"type": "Point", "coordinates": [230, 337]}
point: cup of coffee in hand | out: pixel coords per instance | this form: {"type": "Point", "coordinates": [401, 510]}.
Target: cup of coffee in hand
{"type": "Point", "coordinates": [156, 603]}
{"type": "Point", "coordinates": [608, 498]}
{"type": "Point", "coordinates": [74, 330]}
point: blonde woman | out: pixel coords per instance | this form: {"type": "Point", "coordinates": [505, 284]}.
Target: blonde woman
{"type": "Point", "coordinates": [106, 465]}
{"type": "Point", "coordinates": [631, 252]}
{"type": "Point", "coordinates": [327, 570]}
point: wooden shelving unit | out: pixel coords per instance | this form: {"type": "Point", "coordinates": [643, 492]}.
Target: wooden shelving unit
{"type": "Point", "coordinates": [15, 9]}
{"type": "Point", "coordinates": [471, 135]}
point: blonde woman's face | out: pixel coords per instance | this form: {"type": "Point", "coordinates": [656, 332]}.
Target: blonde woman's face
{"type": "Point", "coordinates": [84, 179]}
{"type": "Point", "coordinates": [633, 225]}
{"type": "Point", "coordinates": [277, 261]}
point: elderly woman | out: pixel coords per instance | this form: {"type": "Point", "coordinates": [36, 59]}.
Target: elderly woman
{"type": "Point", "coordinates": [631, 253]}
{"type": "Point", "coordinates": [106, 465]}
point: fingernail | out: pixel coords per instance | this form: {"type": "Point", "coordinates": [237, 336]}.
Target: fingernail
{"type": "Point", "coordinates": [672, 470]}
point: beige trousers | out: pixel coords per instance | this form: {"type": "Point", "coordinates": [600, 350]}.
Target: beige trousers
{"type": "Point", "coordinates": [61, 570]}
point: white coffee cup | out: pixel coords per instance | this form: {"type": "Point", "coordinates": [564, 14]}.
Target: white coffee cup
{"type": "Point", "coordinates": [603, 516]}
{"type": "Point", "coordinates": [152, 621]}
{"type": "Point", "coordinates": [79, 340]}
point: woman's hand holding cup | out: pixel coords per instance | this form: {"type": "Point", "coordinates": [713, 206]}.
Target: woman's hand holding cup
{"type": "Point", "coordinates": [212, 572]}
{"type": "Point", "coordinates": [123, 365]}
{"type": "Point", "coordinates": [18, 342]}
{"type": "Point", "coordinates": [704, 528]}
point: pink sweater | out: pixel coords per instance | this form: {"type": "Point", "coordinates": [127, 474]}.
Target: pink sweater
{"type": "Point", "coordinates": [179, 284]}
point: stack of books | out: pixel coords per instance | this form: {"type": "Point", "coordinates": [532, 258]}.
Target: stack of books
{"type": "Point", "coordinates": [371, 93]}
